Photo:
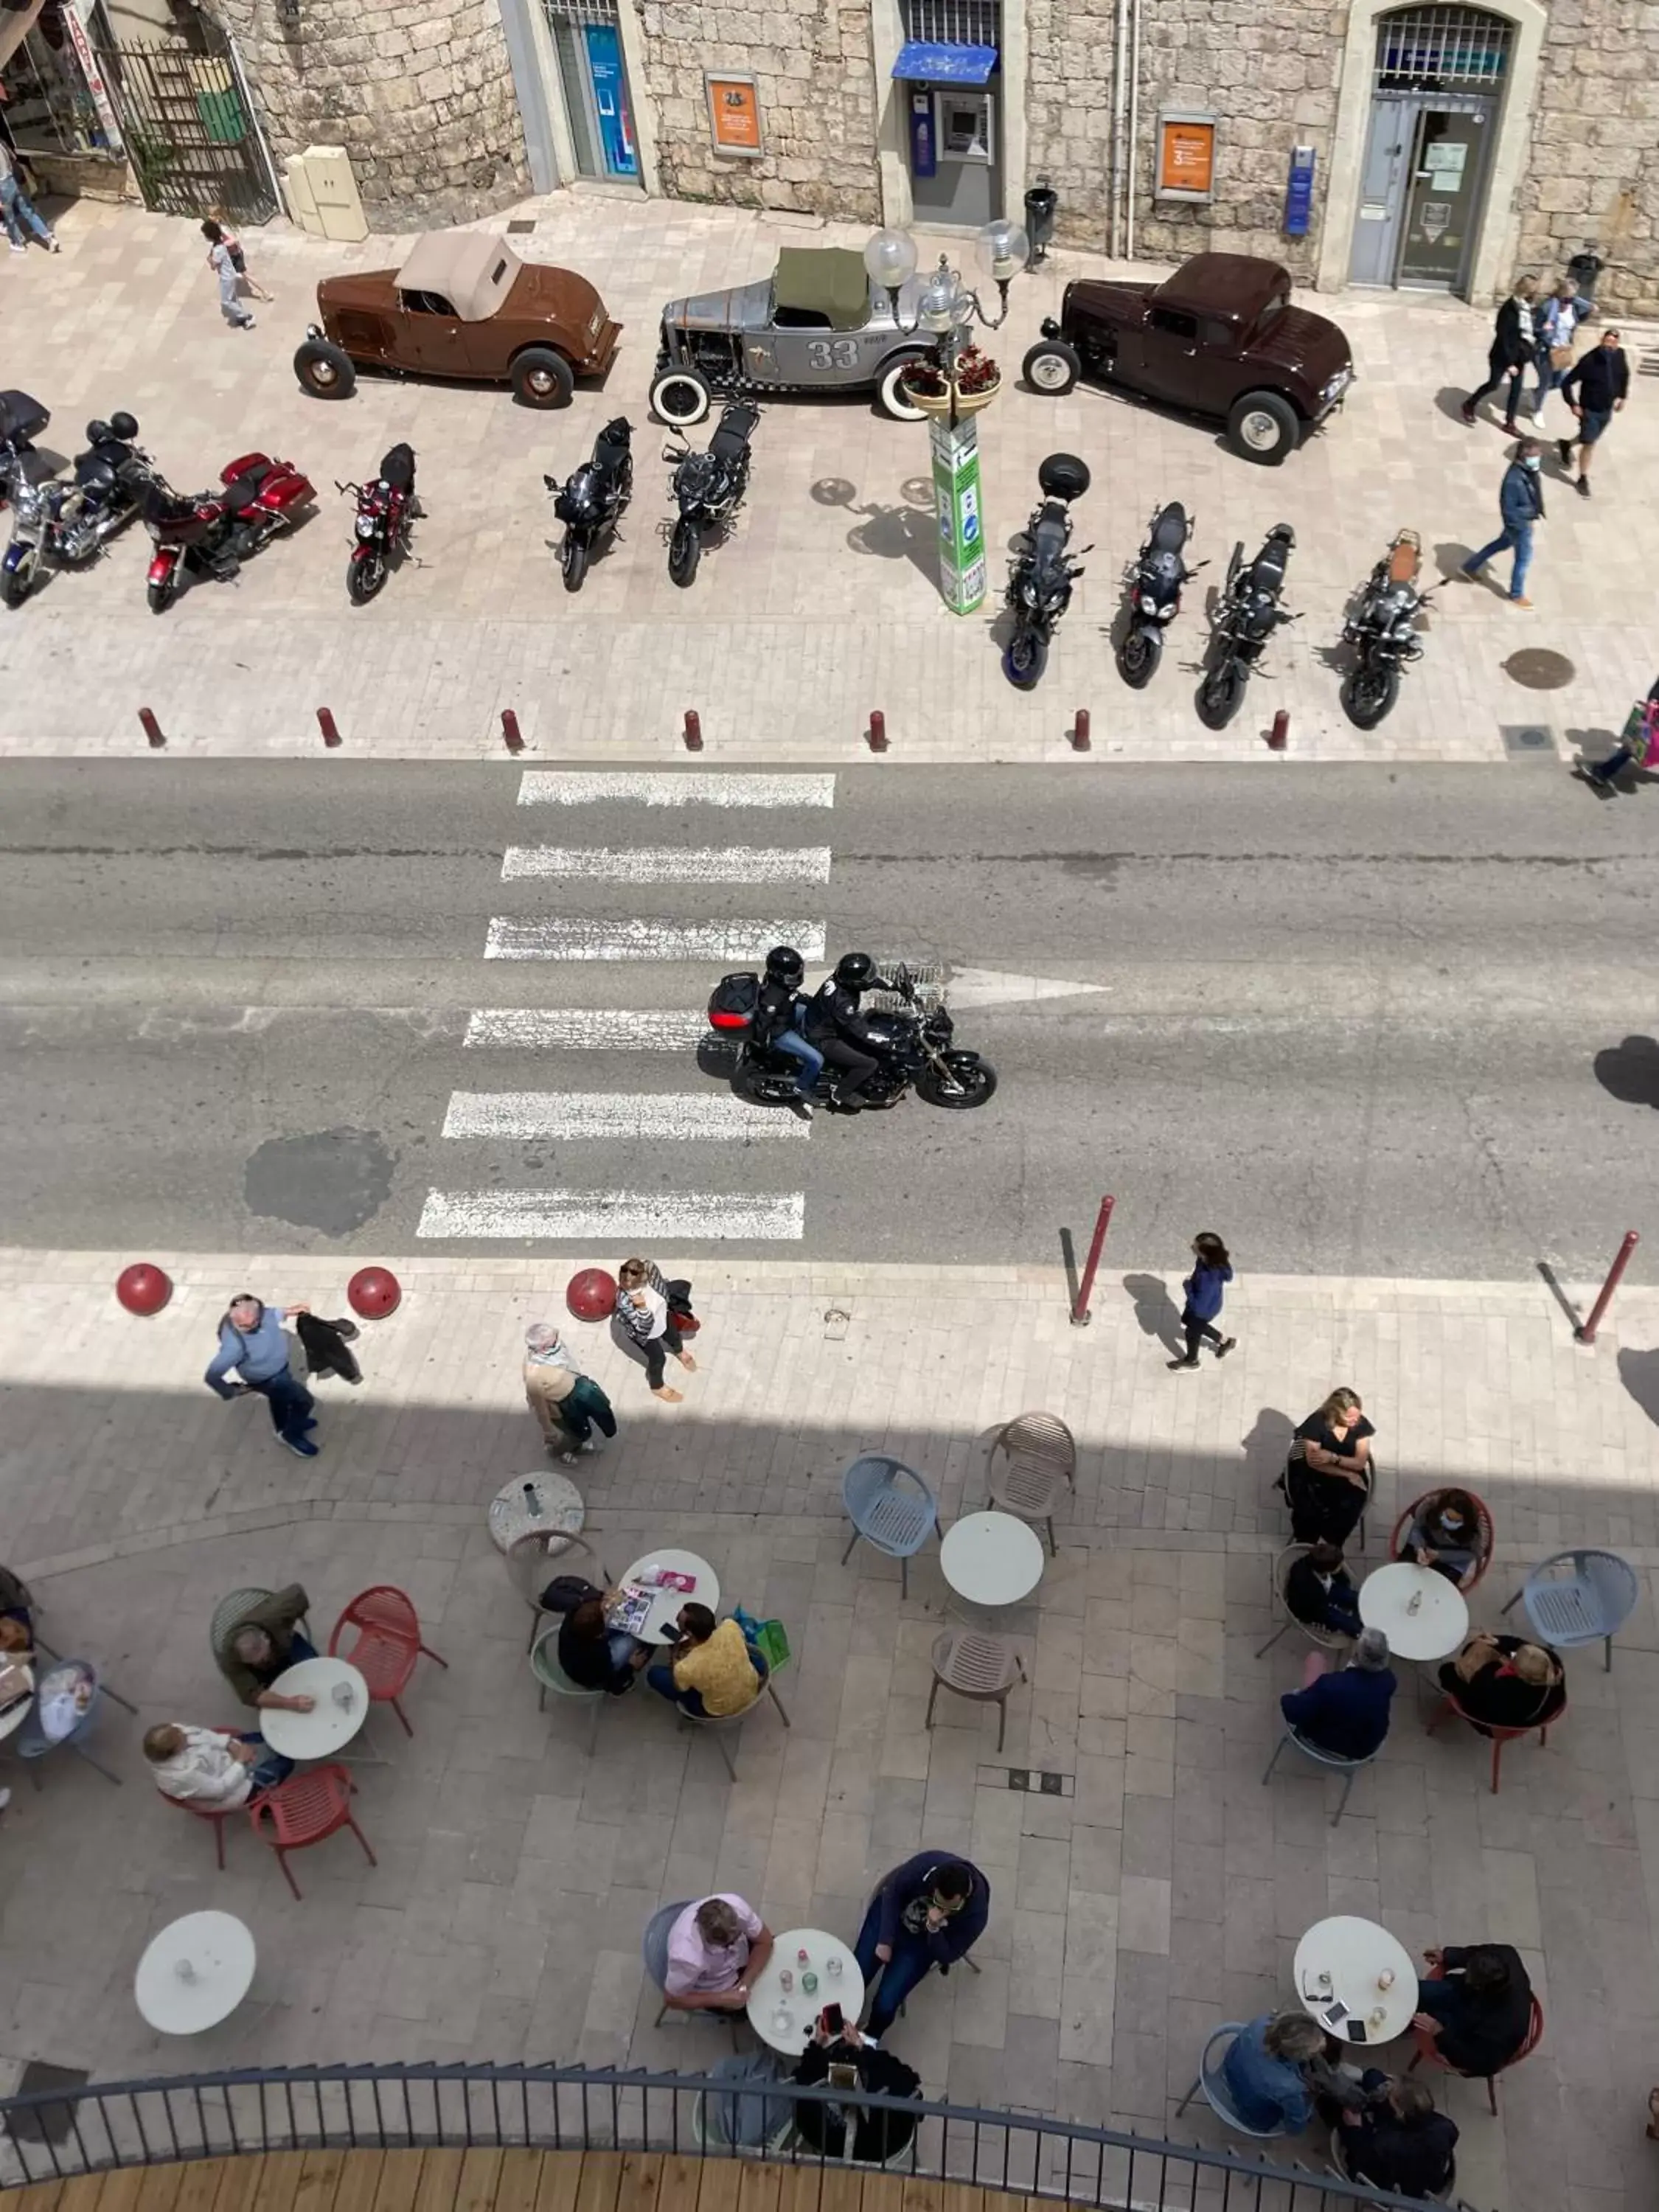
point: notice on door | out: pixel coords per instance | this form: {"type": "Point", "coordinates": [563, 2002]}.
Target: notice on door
{"type": "Point", "coordinates": [734, 115]}
{"type": "Point", "coordinates": [1444, 162]}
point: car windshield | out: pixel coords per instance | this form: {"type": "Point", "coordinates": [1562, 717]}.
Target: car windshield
{"type": "Point", "coordinates": [1270, 314]}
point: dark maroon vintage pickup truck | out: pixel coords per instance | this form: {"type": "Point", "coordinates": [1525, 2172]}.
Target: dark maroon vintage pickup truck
{"type": "Point", "coordinates": [1219, 337]}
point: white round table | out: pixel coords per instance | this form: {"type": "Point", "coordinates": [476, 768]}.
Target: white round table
{"type": "Point", "coordinates": [15, 1716]}
{"type": "Point", "coordinates": [991, 1559]}
{"type": "Point", "coordinates": [329, 1726]}
{"type": "Point", "coordinates": [1437, 1626]}
{"type": "Point", "coordinates": [194, 1973]}
{"type": "Point", "coordinates": [665, 1604]}
{"type": "Point", "coordinates": [554, 1509]}
{"type": "Point", "coordinates": [1353, 1953]}
{"type": "Point", "coordinates": [783, 2017]}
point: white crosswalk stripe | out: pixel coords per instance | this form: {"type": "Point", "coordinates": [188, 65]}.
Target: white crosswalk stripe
{"type": "Point", "coordinates": [587, 937]}
{"type": "Point", "coordinates": [617, 1217]}
{"type": "Point", "coordinates": [540, 786]}
{"type": "Point", "coordinates": [671, 864]}
{"type": "Point", "coordinates": [677, 1116]}
{"type": "Point", "coordinates": [586, 1029]}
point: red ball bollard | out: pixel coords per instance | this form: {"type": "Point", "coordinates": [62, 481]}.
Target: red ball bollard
{"type": "Point", "coordinates": [1280, 736]}
{"type": "Point", "coordinates": [511, 736]}
{"type": "Point", "coordinates": [876, 736]}
{"type": "Point", "coordinates": [374, 1292]}
{"type": "Point", "coordinates": [325, 724]}
{"type": "Point", "coordinates": [591, 1294]}
{"type": "Point", "coordinates": [693, 730]}
{"type": "Point", "coordinates": [1080, 730]}
{"type": "Point", "coordinates": [152, 728]}
{"type": "Point", "coordinates": [144, 1288]}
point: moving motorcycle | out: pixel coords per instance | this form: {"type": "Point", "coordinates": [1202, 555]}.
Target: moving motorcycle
{"type": "Point", "coordinates": [709, 487]}
{"type": "Point", "coordinates": [1042, 573]}
{"type": "Point", "coordinates": [1246, 618]}
{"type": "Point", "coordinates": [914, 1048]}
{"type": "Point", "coordinates": [385, 513]}
{"type": "Point", "coordinates": [592, 498]}
{"type": "Point", "coordinates": [23, 420]}
{"type": "Point", "coordinates": [1155, 587]}
{"type": "Point", "coordinates": [56, 526]}
{"type": "Point", "coordinates": [214, 532]}
{"type": "Point", "coordinates": [1383, 631]}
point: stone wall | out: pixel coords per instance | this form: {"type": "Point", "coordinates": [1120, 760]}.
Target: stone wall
{"type": "Point", "coordinates": [811, 63]}
{"type": "Point", "coordinates": [418, 91]}
{"type": "Point", "coordinates": [1068, 110]}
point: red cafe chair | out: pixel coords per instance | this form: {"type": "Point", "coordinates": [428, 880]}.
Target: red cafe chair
{"type": "Point", "coordinates": [1500, 1737]}
{"type": "Point", "coordinates": [1427, 2048]}
{"type": "Point", "coordinates": [310, 1805]}
{"type": "Point", "coordinates": [387, 1646]}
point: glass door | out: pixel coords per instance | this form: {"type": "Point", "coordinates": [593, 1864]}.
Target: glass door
{"type": "Point", "coordinates": [1443, 195]}
{"type": "Point", "coordinates": [604, 69]}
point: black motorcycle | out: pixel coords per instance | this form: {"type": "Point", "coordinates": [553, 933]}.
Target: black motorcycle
{"type": "Point", "coordinates": [23, 420]}
{"type": "Point", "coordinates": [1042, 573]}
{"type": "Point", "coordinates": [709, 487]}
{"type": "Point", "coordinates": [1247, 617]}
{"type": "Point", "coordinates": [913, 1048]}
{"type": "Point", "coordinates": [1383, 632]}
{"type": "Point", "coordinates": [592, 498]}
{"type": "Point", "coordinates": [379, 531]}
{"type": "Point", "coordinates": [59, 526]}
{"type": "Point", "coordinates": [1155, 586]}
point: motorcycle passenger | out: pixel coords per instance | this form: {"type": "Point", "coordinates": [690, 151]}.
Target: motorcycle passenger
{"type": "Point", "coordinates": [777, 1017]}
{"type": "Point", "coordinates": [835, 1026]}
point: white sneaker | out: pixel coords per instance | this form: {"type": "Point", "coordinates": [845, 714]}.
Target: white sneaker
{"type": "Point", "coordinates": [52, 246]}
{"type": "Point", "coordinates": [5, 1799]}
{"type": "Point", "coordinates": [18, 246]}
{"type": "Point", "coordinates": [1537, 419]}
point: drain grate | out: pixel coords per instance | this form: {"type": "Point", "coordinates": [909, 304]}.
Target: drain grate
{"type": "Point", "coordinates": [1535, 669]}
{"type": "Point", "coordinates": [1524, 740]}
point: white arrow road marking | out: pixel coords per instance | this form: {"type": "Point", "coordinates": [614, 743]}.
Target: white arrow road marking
{"type": "Point", "coordinates": [672, 863]}
{"type": "Point", "coordinates": [586, 1029]}
{"type": "Point", "coordinates": [619, 1217]}
{"type": "Point", "coordinates": [540, 786]}
{"type": "Point", "coordinates": [585, 938]}
{"type": "Point", "coordinates": [984, 987]}
{"type": "Point", "coordinates": [677, 1115]}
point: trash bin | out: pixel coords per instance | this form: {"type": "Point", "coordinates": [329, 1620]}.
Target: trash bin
{"type": "Point", "coordinates": [1584, 268]}
{"type": "Point", "coordinates": [1041, 201]}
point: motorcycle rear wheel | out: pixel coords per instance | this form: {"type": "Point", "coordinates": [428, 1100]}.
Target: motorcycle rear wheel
{"type": "Point", "coordinates": [1368, 695]}
{"type": "Point", "coordinates": [1026, 658]}
{"type": "Point", "coordinates": [161, 596]}
{"type": "Point", "coordinates": [17, 584]}
{"type": "Point", "coordinates": [1137, 657]}
{"type": "Point", "coordinates": [684, 551]}
{"type": "Point", "coordinates": [364, 578]}
{"type": "Point", "coordinates": [572, 561]}
{"type": "Point", "coordinates": [978, 1085]}
{"type": "Point", "coordinates": [1221, 695]}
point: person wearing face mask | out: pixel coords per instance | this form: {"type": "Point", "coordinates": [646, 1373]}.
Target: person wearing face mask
{"type": "Point", "coordinates": [1513, 344]}
{"type": "Point", "coordinates": [1520, 505]}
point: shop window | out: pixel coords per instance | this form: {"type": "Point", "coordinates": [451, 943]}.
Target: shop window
{"type": "Point", "coordinates": [51, 109]}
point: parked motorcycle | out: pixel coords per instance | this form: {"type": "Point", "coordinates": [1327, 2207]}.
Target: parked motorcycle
{"type": "Point", "coordinates": [23, 420]}
{"type": "Point", "coordinates": [1155, 586]}
{"type": "Point", "coordinates": [709, 486]}
{"type": "Point", "coordinates": [913, 1046]}
{"type": "Point", "coordinates": [1041, 572]}
{"type": "Point", "coordinates": [213, 532]}
{"type": "Point", "coordinates": [385, 513]}
{"type": "Point", "coordinates": [1246, 618]}
{"type": "Point", "coordinates": [592, 498]}
{"type": "Point", "coordinates": [1383, 631]}
{"type": "Point", "coordinates": [57, 526]}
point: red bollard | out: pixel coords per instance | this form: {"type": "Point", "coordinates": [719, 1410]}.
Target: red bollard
{"type": "Point", "coordinates": [144, 1288]}
{"type": "Point", "coordinates": [325, 724]}
{"type": "Point", "coordinates": [1080, 1311]}
{"type": "Point", "coordinates": [1279, 736]}
{"type": "Point", "coordinates": [374, 1292]}
{"type": "Point", "coordinates": [876, 736]}
{"type": "Point", "coordinates": [693, 730]}
{"type": "Point", "coordinates": [511, 736]}
{"type": "Point", "coordinates": [1615, 1276]}
{"type": "Point", "coordinates": [1079, 733]}
{"type": "Point", "coordinates": [152, 728]}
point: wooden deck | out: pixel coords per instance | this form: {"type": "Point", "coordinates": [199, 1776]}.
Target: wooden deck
{"type": "Point", "coordinates": [451, 2181]}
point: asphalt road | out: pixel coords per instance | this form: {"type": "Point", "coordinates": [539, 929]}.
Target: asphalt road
{"type": "Point", "coordinates": [1356, 1019]}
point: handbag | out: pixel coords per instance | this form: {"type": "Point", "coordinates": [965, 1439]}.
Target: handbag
{"type": "Point", "coordinates": [1561, 356]}
{"type": "Point", "coordinates": [1640, 731]}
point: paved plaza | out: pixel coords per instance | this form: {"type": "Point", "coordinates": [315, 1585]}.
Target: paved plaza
{"type": "Point", "coordinates": [822, 606]}
{"type": "Point", "coordinates": [520, 1853]}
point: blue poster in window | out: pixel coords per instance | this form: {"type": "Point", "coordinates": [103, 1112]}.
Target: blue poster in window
{"type": "Point", "coordinates": [604, 71]}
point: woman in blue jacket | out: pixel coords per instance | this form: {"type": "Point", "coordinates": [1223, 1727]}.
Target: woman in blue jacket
{"type": "Point", "coordinates": [1211, 1272]}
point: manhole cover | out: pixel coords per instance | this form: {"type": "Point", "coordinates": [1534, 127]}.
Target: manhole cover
{"type": "Point", "coordinates": [1536, 670]}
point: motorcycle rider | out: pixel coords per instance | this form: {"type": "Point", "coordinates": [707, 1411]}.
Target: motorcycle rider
{"type": "Point", "coordinates": [835, 1025]}
{"type": "Point", "coordinates": [776, 1019]}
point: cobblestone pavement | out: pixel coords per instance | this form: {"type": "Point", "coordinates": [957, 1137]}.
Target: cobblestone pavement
{"type": "Point", "coordinates": [822, 607]}
{"type": "Point", "coordinates": [520, 1853]}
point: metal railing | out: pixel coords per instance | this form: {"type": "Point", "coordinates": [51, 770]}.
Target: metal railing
{"type": "Point", "coordinates": [54, 2132]}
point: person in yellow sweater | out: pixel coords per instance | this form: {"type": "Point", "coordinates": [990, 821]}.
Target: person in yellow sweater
{"type": "Point", "coordinates": [711, 1671]}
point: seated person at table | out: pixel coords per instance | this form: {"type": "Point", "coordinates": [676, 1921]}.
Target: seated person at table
{"type": "Point", "coordinates": [215, 1767]}
{"type": "Point", "coordinates": [929, 1912]}
{"type": "Point", "coordinates": [14, 1605]}
{"type": "Point", "coordinates": [1445, 1534]}
{"type": "Point", "coordinates": [712, 1671]}
{"type": "Point", "coordinates": [1320, 1592]}
{"type": "Point", "coordinates": [830, 2060]}
{"type": "Point", "coordinates": [1327, 1476]}
{"type": "Point", "coordinates": [1346, 1713]}
{"type": "Point", "coordinates": [16, 1640]}
{"type": "Point", "coordinates": [715, 1949]}
{"type": "Point", "coordinates": [265, 1643]}
{"type": "Point", "coordinates": [596, 1656]}
{"type": "Point", "coordinates": [1398, 2141]}
{"type": "Point", "coordinates": [1273, 2070]}
{"type": "Point", "coordinates": [1504, 1682]}
{"type": "Point", "coordinates": [1478, 2007]}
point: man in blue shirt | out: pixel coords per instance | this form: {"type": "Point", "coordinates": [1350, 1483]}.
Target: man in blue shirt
{"type": "Point", "coordinates": [1520, 505]}
{"type": "Point", "coordinates": [251, 1341]}
{"type": "Point", "coordinates": [1346, 1714]}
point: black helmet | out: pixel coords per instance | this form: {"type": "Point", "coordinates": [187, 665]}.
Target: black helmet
{"type": "Point", "coordinates": [785, 965]}
{"type": "Point", "coordinates": [99, 434]}
{"type": "Point", "coordinates": [855, 971]}
{"type": "Point", "coordinates": [125, 426]}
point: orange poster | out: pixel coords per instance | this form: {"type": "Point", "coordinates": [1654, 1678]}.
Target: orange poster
{"type": "Point", "coordinates": [735, 114]}
{"type": "Point", "coordinates": [1186, 161]}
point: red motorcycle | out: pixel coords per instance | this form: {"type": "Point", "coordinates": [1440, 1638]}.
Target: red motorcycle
{"type": "Point", "coordinates": [385, 510]}
{"type": "Point", "coordinates": [214, 532]}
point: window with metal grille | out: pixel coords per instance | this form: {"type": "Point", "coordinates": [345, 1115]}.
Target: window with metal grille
{"type": "Point", "coordinates": [954, 22]}
{"type": "Point", "coordinates": [580, 11]}
{"type": "Point", "coordinates": [1434, 49]}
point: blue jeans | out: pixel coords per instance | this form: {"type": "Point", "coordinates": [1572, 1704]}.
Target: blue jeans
{"type": "Point", "coordinates": [290, 1404]}
{"type": "Point", "coordinates": [271, 1767]}
{"type": "Point", "coordinates": [908, 1964]}
{"type": "Point", "coordinates": [1520, 536]}
{"type": "Point", "coordinates": [18, 209]}
{"type": "Point", "coordinates": [811, 1059]}
{"type": "Point", "coordinates": [1442, 2000]}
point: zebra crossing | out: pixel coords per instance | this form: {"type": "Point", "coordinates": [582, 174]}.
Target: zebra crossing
{"type": "Point", "coordinates": [778, 873]}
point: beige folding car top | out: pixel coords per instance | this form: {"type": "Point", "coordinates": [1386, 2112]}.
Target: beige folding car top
{"type": "Point", "coordinates": [469, 268]}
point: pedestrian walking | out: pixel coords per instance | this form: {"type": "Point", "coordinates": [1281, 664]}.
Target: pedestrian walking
{"type": "Point", "coordinates": [18, 209]}
{"type": "Point", "coordinates": [1520, 505]}
{"type": "Point", "coordinates": [239, 257]}
{"type": "Point", "coordinates": [1637, 745]}
{"type": "Point", "coordinates": [1556, 321]}
{"type": "Point", "coordinates": [566, 1402]}
{"type": "Point", "coordinates": [652, 1311]}
{"type": "Point", "coordinates": [1212, 1272]}
{"type": "Point", "coordinates": [222, 263]}
{"type": "Point", "coordinates": [1514, 343]}
{"type": "Point", "coordinates": [251, 1341]}
{"type": "Point", "coordinates": [1596, 391]}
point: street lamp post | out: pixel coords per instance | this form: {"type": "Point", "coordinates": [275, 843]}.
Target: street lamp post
{"type": "Point", "coordinates": [946, 310]}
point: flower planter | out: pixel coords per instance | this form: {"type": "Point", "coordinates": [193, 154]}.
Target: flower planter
{"type": "Point", "coordinates": [938, 403]}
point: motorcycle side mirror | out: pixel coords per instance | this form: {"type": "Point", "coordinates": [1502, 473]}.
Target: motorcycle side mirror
{"type": "Point", "coordinates": [552, 482]}
{"type": "Point", "coordinates": [1187, 574]}
{"type": "Point", "coordinates": [1081, 550]}
{"type": "Point", "coordinates": [670, 454]}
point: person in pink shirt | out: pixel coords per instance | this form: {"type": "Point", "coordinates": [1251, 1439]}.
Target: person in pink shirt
{"type": "Point", "coordinates": [715, 1949]}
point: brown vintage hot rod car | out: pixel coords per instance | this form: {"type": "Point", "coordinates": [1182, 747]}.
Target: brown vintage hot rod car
{"type": "Point", "coordinates": [462, 305]}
